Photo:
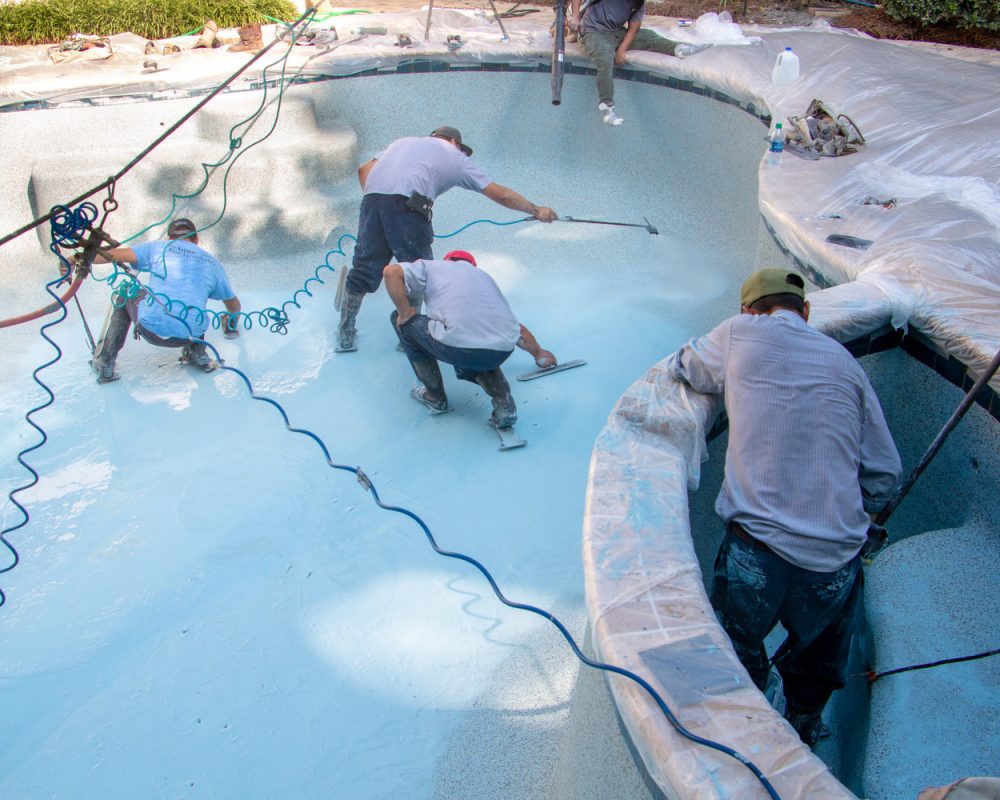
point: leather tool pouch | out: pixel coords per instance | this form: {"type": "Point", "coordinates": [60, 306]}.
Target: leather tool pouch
{"type": "Point", "coordinates": [422, 205]}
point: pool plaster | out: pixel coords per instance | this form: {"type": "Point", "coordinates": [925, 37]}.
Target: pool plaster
{"type": "Point", "coordinates": [305, 639]}
{"type": "Point", "coordinates": [615, 195]}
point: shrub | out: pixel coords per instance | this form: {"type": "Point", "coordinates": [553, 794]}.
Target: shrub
{"type": "Point", "coordinates": [960, 13]}
{"type": "Point", "coordinates": [48, 21]}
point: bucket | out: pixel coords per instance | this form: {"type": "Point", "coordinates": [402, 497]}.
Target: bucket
{"type": "Point", "coordinates": [786, 68]}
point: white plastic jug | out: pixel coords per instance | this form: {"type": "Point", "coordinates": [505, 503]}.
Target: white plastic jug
{"type": "Point", "coordinates": [786, 67]}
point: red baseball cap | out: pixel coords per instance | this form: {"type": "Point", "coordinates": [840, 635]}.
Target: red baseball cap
{"type": "Point", "coordinates": [461, 255]}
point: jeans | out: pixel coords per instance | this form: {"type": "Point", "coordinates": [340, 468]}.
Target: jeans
{"type": "Point", "coordinates": [754, 589]}
{"type": "Point", "coordinates": [419, 345]}
{"type": "Point", "coordinates": [386, 228]}
{"type": "Point", "coordinates": [601, 47]}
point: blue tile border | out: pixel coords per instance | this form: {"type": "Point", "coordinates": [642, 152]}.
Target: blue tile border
{"type": "Point", "coordinates": [424, 65]}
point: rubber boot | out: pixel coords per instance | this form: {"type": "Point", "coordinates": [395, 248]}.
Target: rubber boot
{"type": "Point", "coordinates": [495, 384]}
{"type": "Point", "coordinates": [431, 394]}
{"type": "Point", "coordinates": [808, 725]}
{"type": "Point", "coordinates": [250, 40]}
{"type": "Point", "coordinates": [196, 354]}
{"type": "Point", "coordinates": [347, 332]}
{"type": "Point", "coordinates": [207, 38]}
{"type": "Point", "coordinates": [110, 343]}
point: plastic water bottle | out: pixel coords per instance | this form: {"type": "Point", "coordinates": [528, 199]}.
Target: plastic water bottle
{"type": "Point", "coordinates": [376, 30]}
{"type": "Point", "coordinates": [777, 146]}
{"type": "Point", "coordinates": [786, 68]}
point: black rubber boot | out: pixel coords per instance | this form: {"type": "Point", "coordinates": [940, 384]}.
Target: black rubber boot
{"type": "Point", "coordinates": [112, 340]}
{"type": "Point", "coordinates": [196, 355]}
{"type": "Point", "coordinates": [808, 725]}
{"type": "Point", "coordinates": [431, 394]}
{"type": "Point", "coordinates": [504, 408]}
{"type": "Point", "coordinates": [347, 332]}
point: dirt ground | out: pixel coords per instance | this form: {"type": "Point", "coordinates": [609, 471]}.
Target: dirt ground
{"type": "Point", "coordinates": [872, 21]}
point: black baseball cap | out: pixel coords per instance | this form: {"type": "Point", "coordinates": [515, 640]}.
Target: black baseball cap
{"type": "Point", "coordinates": [181, 227]}
{"type": "Point", "coordinates": [448, 132]}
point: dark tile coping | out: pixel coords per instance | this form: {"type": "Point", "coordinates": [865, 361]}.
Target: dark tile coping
{"type": "Point", "coordinates": [433, 65]}
{"type": "Point", "coordinates": [913, 343]}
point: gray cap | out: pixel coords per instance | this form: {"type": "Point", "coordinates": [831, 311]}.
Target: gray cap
{"type": "Point", "coordinates": [181, 227]}
{"type": "Point", "coordinates": [448, 132]}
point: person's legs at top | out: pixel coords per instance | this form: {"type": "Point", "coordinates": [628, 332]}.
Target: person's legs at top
{"type": "Point", "coordinates": [748, 590]}
{"type": "Point", "coordinates": [601, 47]}
{"type": "Point", "coordinates": [652, 42]}
{"type": "Point", "coordinates": [821, 615]}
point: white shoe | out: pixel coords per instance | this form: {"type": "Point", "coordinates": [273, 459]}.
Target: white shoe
{"type": "Point", "coordinates": [683, 50]}
{"type": "Point", "coordinates": [610, 115]}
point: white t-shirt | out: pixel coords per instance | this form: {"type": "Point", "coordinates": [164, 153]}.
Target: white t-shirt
{"type": "Point", "coordinates": [424, 164]}
{"type": "Point", "coordinates": [464, 304]}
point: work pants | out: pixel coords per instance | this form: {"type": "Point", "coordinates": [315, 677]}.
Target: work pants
{"type": "Point", "coordinates": [754, 589]}
{"type": "Point", "coordinates": [387, 228]}
{"type": "Point", "coordinates": [120, 319]}
{"type": "Point", "coordinates": [419, 345]}
{"type": "Point", "coordinates": [601, 47]}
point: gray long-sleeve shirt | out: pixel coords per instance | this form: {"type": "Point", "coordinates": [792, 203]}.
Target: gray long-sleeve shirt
{"type": "Point", "coordinates": [809, 449]}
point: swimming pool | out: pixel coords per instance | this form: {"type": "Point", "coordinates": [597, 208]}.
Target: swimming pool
{"type": "Point", "coordinates": [204, 608]}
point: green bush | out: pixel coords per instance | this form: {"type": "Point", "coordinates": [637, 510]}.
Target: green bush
{"type": "Point", "coordinates": [960, 13]}
{"type": "Point", "coordinates": [49, 21]}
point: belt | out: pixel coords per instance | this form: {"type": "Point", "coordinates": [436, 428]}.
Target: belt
{"type": "Point", "coordinates": [738, 531]}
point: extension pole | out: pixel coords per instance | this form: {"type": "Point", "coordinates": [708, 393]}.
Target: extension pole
{"type": "Point", "coordinates": [957, 415]}
{"type": "Point", "coordinates": [496, 16]}
{"type": "Point", "coordinates": [646, 227]}
{"type": "Point", "coordinates": [427, 27]}
{"type": "Point", "coordinates": [128, 167]}
{"type": "Point", "coordinates": [558, 52]}
{"type": "Point", "coordinates": [90, 336]}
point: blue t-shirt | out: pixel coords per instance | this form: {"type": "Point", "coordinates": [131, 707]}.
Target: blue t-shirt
{"type": "Point", "coordinates": [189, 277]}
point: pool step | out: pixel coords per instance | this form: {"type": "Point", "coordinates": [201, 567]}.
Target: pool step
{"type": "Point", "coordinates": [289, 190]}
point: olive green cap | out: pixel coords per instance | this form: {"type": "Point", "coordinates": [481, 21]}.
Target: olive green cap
{"type": "Point", "coordinates": [771, 281]}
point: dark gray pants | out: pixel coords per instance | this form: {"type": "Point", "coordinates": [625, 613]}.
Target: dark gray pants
{"type": "Point", "coordinates": [601, 47]}
{"type": "Point", "coordinates": [754, 589]}
{"type": "Point", "coordinates": [120, 319]}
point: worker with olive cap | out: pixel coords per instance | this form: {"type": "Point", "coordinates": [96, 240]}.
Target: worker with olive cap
{"type": "Point", "coordinates": [468, 324]}
{"type": "Point", "coordinates": [400, 185]}
{"type": "Point", "coordinates": [809, 454]}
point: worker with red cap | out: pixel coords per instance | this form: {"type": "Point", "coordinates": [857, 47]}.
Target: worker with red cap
{"type": "Point", "coordinates": [467, 323]}
{"type": "Point", "coordinates": [400, 186]}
